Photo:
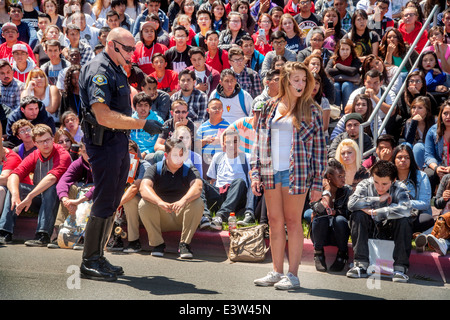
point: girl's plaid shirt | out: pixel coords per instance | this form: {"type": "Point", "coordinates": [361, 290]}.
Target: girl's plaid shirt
{"type": "Point", "coordinates": [308, 156]}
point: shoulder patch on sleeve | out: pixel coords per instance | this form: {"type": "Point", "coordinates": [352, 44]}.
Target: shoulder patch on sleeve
{"type": "Point", "coordinates": [99, 79]}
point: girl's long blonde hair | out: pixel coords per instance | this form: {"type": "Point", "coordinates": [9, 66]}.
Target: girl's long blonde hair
{"type": "Point", "coordinates": [302, 108]}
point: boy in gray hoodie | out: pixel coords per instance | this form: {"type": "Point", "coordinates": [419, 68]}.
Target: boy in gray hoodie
{"type": "Point", "coordinates": [22, 62]}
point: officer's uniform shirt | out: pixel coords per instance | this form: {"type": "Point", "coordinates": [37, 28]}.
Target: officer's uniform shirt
{"type": "Point", "coordinates": [101, 80]}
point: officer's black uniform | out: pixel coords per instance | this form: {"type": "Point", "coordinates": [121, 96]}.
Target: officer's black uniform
{"type": "Point", "coordinates": [101, 80]}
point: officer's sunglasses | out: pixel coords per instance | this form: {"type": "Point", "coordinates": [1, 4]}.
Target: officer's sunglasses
{"type": "Point", "coordinates": [126, 48]}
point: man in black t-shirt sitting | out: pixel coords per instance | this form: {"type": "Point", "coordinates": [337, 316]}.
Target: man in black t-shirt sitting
{"type": "Point", "coordinates": [170, 192]}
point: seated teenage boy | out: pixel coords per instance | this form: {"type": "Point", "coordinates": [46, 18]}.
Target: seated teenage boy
{"type": "Point", "coordinates": [229, 186]}
{"type": "Point", "coordinates": [381, 207]}
{"type": "Point", "coordinates": [48, 163]}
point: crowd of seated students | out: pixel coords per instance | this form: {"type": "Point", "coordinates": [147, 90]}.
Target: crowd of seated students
{"type": "Point", "coordinates": [206, 69]}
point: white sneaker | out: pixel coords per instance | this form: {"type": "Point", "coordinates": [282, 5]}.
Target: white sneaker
{"type": "Point", "coordinates": [439, 245]}
{"type": "Point", "coordinates": [399, 276]}
{"type": "Point", "coordinates": [288, 282]}
{"type": "Point", "coordinates": [269, 280]}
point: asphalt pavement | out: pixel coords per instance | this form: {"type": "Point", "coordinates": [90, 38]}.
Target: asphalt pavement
{"type": "Point", "coordinates": [53, 274]}
{"type": "Point", "coordinates": [208, 286]}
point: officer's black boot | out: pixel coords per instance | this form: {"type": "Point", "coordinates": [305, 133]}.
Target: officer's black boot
{"type": "Point", "coordinates": [106, 235]}
{"type": "Point", "coordinates": [92, 266]}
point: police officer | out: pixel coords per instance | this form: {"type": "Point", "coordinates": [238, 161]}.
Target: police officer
{"type": "Point", "coordinates": [106, 114]}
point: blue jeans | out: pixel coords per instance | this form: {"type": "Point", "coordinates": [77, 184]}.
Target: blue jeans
{"type": "Point", "coordinates": [330, 230]}
{"type": "Point", "coordinates": [234, 199]}
{"type": "Point", "coordinates": [419, 154]}
{"type": "Point", "coordinates": [47, 203]}
{"type": "Point", "coordinates": [343, 92]}
{"type": "Point", "coordinates": [281, 177]}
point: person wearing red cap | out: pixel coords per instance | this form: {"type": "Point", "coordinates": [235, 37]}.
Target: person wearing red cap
{"type": "Point", "coordinates": [147, 48]}
{"type": "Point", "coordinates": [11, 35]}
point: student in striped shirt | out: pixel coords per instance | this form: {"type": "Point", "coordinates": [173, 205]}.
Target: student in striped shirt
{"type": "Point", "coordinates": [210, 131]}
{"type": "Point", "coordinates": [245, 126]}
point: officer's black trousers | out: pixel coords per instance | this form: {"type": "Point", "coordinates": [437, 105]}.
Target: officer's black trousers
{"type": "Point", "coordinates": [110, 165]}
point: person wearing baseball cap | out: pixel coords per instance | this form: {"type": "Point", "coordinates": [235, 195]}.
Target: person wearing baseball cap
{"type": "Point", "coordinates": [22, 63]}
{"type": "Point", "coordinates": [147, 47]}
{"type": "Point", "coordinates": [352, 124]}
{"type": "Point", "coordinates": [9, 25]}
{"type": "Point", "coordinates": [11, 35]}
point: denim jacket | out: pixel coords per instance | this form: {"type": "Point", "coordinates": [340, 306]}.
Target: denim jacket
{"type": "Point", "coordinates": [420, 194]}
{"type": "Point", "coordinates": [433, 149]}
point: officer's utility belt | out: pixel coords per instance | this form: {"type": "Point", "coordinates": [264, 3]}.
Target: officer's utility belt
{"type": "Point", "coordinates": [94, 131]}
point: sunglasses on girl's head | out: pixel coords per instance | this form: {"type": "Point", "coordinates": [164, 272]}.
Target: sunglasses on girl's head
{"type": "Point", "coordinates": [126, 48]}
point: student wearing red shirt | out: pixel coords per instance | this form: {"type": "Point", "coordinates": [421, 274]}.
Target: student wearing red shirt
{"type": "Point", "coordinates": [262, 36]}
{"type": "Point", "coordinates": [11, 34]}
{"type": "Point", "coordinates": [167, 79]}
{"type": "Point", "coordinates": [293, 7]}
{"type": "Point", "coordinates": [147, 48]}
{"type": "Point", "coordinates": [410, 28]}
{"type": "Point", "coordinates": [22, 63]}
{"type": "Point", "coordinates": [13, 160]}
{"type": "Point", "coordinates": [48, 163]}
{"type": "Point", "coordinates": [185, 21]}
{"type": "Point", "coordinates": [215, 57]}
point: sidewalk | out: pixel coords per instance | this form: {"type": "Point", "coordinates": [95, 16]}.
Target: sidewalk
{"type": "Point", "coordinates": [425, 266]}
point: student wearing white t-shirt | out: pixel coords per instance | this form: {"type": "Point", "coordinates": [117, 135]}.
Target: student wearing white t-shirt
{"type": "Point", "coordinates": [230, 183]}
{"type": "Point", "coordinates": [236, 101]}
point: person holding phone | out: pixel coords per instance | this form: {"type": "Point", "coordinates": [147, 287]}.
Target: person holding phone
{"type": "Point", "coordinates": [332, 28]}
{"type": "Point", "coordinates": [262, 36]}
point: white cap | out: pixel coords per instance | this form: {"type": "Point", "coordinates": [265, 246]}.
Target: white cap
{"type": "Point", "coordinates": [19, 47]}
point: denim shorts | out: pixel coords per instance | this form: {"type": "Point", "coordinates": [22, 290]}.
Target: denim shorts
{"type": "Point", "coordinates": [282, 177]}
